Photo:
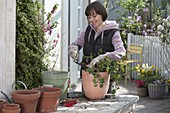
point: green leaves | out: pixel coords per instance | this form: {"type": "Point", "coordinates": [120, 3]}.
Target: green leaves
{"type": "Point", "coordinates": [29, 46]}
{"type": "Point", "coordinates": [105, 65]}
{"type": "Point", "coordinates": [132, 5]}
{"type": "Point", "coordinates": [31, 41]}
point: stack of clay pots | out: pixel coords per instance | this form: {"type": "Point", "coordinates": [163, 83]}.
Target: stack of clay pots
{"type": "Point", "coordinates": [2, 102]}
{"type": "Point", "coordinates": [11, 108]}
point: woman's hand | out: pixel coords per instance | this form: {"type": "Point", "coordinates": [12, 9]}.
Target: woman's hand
{"type": "Point", "coordinates": [73, 51]}
{"type": "Point", "coordinates": [96, 60]}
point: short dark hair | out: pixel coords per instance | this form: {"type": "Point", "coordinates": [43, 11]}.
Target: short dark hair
{"type": "Point", "coordinates": [98, 8]}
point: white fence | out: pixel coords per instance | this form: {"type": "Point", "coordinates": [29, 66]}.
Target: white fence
{"type": "Point", "coordinates": [154, 53]}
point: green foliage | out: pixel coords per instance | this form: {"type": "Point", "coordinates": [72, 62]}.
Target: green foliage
{"type": "Point", "coordinates": [34, 44]}
{"type": "Point", "coordinates": [29, 46]}
{"type": "Point", "coordinates": [105, 65]}
{"type": "Point", "coordinates": [139, 17]}
{"type": "Point", "coordinates": [48, 24]}
{"type": "Point", "coordinates": [148, 74]}
{"type": "Point", "coordinates": [129, 17]}
{"type": "Point", "coordinates": [131, 6]}
{"type": "Point", "coordinates": [164, 30]}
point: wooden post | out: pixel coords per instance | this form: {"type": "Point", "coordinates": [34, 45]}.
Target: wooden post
{"type": "Point", "coordinates": [7, 45]}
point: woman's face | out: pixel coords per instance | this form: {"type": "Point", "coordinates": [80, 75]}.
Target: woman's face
{"type": "Point", "coordinates": [95, 19]}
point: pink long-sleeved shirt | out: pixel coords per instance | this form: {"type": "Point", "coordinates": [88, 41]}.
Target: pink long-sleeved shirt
{"type": "Point", "coordinates": [116, 41]}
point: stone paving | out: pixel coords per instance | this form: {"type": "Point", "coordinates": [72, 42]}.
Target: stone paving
{"type": "Point", "coordinates": [145, 104]}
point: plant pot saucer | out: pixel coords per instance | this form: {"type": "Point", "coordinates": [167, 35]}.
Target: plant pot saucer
{"type": "Point", "coordinates": [69, 102]}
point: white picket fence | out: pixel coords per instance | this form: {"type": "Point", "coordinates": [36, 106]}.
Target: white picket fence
{"type": "Point", "coordinates": [154, 53]}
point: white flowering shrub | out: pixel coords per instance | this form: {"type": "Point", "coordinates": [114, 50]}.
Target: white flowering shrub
{"type": "Point", "coordinates": [163, 30]}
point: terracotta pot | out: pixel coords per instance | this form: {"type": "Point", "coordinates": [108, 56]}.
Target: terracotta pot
{"type": "Point", "coordinates": [142, 92]}
{"type": "Point", "coordinates": [49, 99]}
{"type": "Point", "coordinates": [11, 108]}
{"type": "Point", "coordinates": [27, 99]}
{"type": "Point", "coordinates": [2, 102]}
{"type": "Point", "coordinates": [90, 90]}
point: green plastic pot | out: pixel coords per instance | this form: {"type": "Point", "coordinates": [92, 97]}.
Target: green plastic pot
{"type": "Point", "coordinates": [57, 79]}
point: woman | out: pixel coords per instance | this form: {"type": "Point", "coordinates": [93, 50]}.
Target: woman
{"type": "Point", "coordinates": [101, 38]}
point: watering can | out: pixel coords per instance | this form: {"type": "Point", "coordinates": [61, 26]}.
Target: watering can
{"type": "Point", "coordinates": [9, 98]}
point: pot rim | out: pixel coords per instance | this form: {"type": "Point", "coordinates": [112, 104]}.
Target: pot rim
{"type": "Point", "coordinates": [11, 106]}
{"type": "Point", "coordinates": [49, 91]}
{"type": "Point", "coordinates": [25, 94]}
{"type": "Point", "coordinates": [3, 100]}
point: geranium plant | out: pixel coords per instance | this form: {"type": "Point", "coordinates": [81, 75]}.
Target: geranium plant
{"type": "Point", "coordinates": [140, 83]}
{"type": "Point", "coordinates": [114, 68]}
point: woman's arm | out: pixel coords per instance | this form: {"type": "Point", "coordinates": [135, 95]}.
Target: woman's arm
{"type": "Point", "coordinates": [119, 47]}
{"type": "Point", "coordinates": [79, 41]}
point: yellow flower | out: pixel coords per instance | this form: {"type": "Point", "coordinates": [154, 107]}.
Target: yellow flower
{"type": "Point", "coordinates": [156, 70]}
{"type": "Point", "coordinates": [143, 71]}
{"type": "Point", "coordinates": [137, 68]}
{"type": "Point", "coordinates": [168, 81]}
{"type": "Point", "coordinates": [146, 72]}
{"type": "Point", "coordinates": [152, 67]}
{"type": "Point", "coordinates": [138, 65]}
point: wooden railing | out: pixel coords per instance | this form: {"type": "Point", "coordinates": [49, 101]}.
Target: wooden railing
{"type": "Point", "coordinates": [154, 53]}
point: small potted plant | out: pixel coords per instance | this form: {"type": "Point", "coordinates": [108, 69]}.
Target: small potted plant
{"type": "Point", "coordinates": [96, 79]}
{"type": "Point", "coordinates": [153, 80]}
{"type": "Point", "coordinates": [157, 87]}
{"type": "Point", "coordinates": [141, 88]}
{"type": "Point", "coordinates": [146, 74]}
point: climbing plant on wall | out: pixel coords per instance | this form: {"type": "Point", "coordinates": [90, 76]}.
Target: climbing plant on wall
{"type": "Point", "coordinates": [29, 46]}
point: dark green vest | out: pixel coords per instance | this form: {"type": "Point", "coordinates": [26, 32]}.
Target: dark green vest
{"type": "Point", "coordinates": [98, 46]}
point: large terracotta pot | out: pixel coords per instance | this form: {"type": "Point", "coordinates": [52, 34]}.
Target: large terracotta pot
{"type": "Point", "coordinates": [2, 102]}
{"type": "Point", "coordinates": [90, 90]}
{"type": "Point", "coordinates": [11, 108]}
{"type": "Point", "coordinates": [27, 99]}
{"type": "Point", "coordinates": [49, 99]}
